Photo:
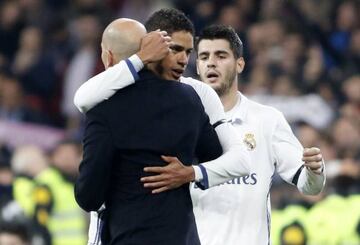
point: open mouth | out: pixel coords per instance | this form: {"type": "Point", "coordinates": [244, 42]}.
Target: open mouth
{"type": "Point", "coordinates": [212, 76]}
{"type": "Point", "coordinates": [177, 73]}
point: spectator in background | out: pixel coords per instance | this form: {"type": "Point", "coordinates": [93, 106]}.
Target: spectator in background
{"type": "Point", "coordinates": [347, 135]}
{"type": "Point", "coordinates": [36, 13]}
{"type": "Point", "coordinates": [307, 135]}
{"type": "Point", "coordinates": [11, 24]}
{"type": "Point", "coordinates": [67, 222]}
{"type": "Point", "coordinates": [204, 12]}
{"type": "Point", "coordinates": [351, 90]}
{"type": "Point", "coordinates": [6, 179]}
{"type": "Point", "coordinates": [346, 21]}
{"type": "Point", "coordinates": [313, 70]}
{"type": "Point", "coordinates": [352, 65]}
{"type": "Point", "coordinates": [51, 186]}
{"type": "Point", "coordinates": [86, 32]}
{"type": "Point", "coordinates": [35, 199]}
{"type": "Point", "coordinates": [35, 68]}
{"type": "Point", "coordinates": [141, 9]}
{"type": "Point", "coordinates": [13, 106]}
{"type": "Point", "coordinates": [14, 234]}
{"type": "Point", "coordinates": [229, 15]}
{"type": "Point", "coordinates": [66, 157]}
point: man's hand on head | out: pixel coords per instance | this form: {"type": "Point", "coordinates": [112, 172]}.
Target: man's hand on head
{"type": "Point", "coordinates": [169, 177]}
{"type": "Point", "coordinates": [154, 46]}
{"type": "Point", "coordinates": [313, 159]}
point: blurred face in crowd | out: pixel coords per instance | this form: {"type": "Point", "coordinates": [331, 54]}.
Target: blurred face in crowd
{"type": "Point", "coordinates": [308, 136]}
{"type": "Point", "coordinates": [346, 133]}
{"type": "Point", "coordinates": [10, 94]}
{"type": "Point", "coordinates": [351, 88]}
{"type": "Point", "coordinates": [11, 239]}
{"type": "Point", "coordinates": [67, 158]}
{"type": "Point", "coordinates": [174, 64]}
{"type": "Point", "coordinates": [217, 65]}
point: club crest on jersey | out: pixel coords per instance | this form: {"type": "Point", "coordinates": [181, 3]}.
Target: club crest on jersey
{"type": "Point", "coordinates": [249, 141]}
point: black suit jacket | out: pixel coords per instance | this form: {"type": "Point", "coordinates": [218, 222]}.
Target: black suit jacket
{"type": "Point", "coordinates": [130, 131]}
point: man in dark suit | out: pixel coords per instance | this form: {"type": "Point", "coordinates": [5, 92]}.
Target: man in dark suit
{"type": "Point", "coordinates": [132, 130]}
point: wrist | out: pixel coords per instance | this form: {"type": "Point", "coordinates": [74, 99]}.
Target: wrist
{"type": "Point", "coordinates": [143, 58]}
{"type": "Point", "coordinates": [190, 173]}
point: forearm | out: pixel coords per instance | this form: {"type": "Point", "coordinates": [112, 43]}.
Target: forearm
{"type": "Point", "coordinates": [104, 85]}
{"type": "Point", "coordinates": [233, 163]}
{"type": "Point", "coordinates": [310, 183]}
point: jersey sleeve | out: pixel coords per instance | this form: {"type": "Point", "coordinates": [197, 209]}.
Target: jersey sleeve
{"type": "Point", "coordinates": [104, 85]}
{"type": "Point", "coordinates": [310, 183]}
{"type": "Point", "coordinates": [209, 99]}
{"type": "Point", "coordinates": [286, 149]}
{"type": "Point", "coordinates": [288, 152]}
{"type": "Point", "coordinates": [234, 162]}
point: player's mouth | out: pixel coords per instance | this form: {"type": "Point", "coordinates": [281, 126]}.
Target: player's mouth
{"type": "Point", "coordinates": [177, 73]}
{"type": "Point", "coordinates": [212, 76]}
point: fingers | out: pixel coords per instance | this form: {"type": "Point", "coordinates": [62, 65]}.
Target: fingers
{"type": "Point", "coordinates": [153, 178]}
{"type": "Point", "coordinates": [312, 155]}
{"type": "Point", "coordinates": [160, 170]}
{"type": "Point", "coordinates": [154, 169]}
{"type": "Point", "coordinates": [311, 151]}
{"type": "Point", "coordinates": [163, 33]}
{"type": "Point", "coordinates": [162, 189]}
{"type": "Point", "coordinates": [169, 159]}
{"type": "Point", "coordinates": [155, 184]}
{"type": "Point", "coordinates": [314, 158]}
{"type": "Point", "coordinates": [313, 165]}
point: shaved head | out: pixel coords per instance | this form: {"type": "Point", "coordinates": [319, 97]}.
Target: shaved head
{"type": "Point", "coordinates": [120, 40]}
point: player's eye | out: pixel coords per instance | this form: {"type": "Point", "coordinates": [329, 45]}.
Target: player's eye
{"type": "Point", "coordinates": [173, 49]}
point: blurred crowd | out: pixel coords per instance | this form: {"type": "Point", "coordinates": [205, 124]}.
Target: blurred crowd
{"type": "Point", "coordinates": [302, 57]}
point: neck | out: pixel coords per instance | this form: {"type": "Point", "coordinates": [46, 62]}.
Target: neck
{"type": "Point", "coordinates": [230, 99]}
{"type": "Point", "coordinates": [152, 67]}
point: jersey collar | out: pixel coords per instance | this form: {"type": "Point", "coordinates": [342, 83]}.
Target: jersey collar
{"type": "Point", "coordinates": [238, 113]}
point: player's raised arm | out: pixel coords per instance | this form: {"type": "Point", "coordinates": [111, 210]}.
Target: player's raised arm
{"type": "Point", "coordinates": [154, 46]}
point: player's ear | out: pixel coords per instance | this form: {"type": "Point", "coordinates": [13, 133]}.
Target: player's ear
{"type": "Point", "coordinates": [110, 58]}
{"type": "Point", "coordinates": [240, 64]}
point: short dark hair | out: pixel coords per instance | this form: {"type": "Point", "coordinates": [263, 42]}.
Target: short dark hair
{"type": "Point", "coordinates": [170, 20]}
{"type": "Point", "coordinates": [219, 31]}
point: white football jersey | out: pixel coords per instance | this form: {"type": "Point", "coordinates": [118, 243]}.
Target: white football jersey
{"type": "Point", "coordinates": [238, 212]}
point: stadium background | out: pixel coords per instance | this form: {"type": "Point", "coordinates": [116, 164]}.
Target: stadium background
{"type": "Point", "coordinates": [302, 57]}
